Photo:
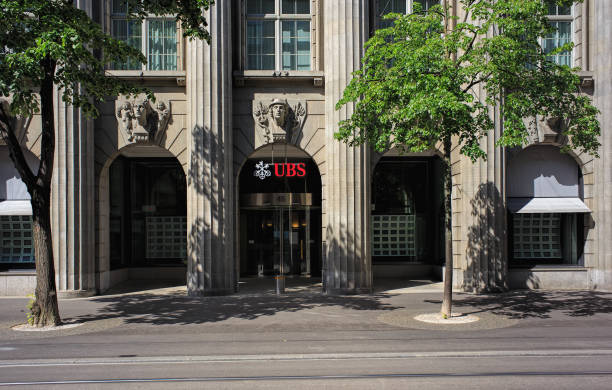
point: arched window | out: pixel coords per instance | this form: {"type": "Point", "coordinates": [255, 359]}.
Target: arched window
{"type": "Point", "coordinates": [16, 245]}
{"type": "Point", "coordinates": [544, 198]}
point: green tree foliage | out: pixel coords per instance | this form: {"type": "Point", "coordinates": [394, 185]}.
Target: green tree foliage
{"type": "Point", "coordinates": [48, 44]}
{"type": "Point", "coordinates": [436, 77]}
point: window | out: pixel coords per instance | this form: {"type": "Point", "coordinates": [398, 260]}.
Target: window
{"type": "Point", "coordinates": [546, 238]}
{"type": "Point", "coordinates": [400, 7]}
{"type": "Point", "coordinates": [278, 35]}
{"type": "Point", "coordinates": [561, 19]}
{"type": "Point", "coordinates": [546, 211]}
{"type": "Point", "coordinates": [16, 238]}
{"type": "Point", "coordinates": [156, 37]}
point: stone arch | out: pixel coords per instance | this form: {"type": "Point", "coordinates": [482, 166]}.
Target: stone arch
{"type": "Point", "coordinates": [280, 151]}
{"type": "Point", "coordinates": [394, 256]}
{"type": "Point", "coordinates": [103, 208]}
{"type": "Point", "coordinates": [547, 187]}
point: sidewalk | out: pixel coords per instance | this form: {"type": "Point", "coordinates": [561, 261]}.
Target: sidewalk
{"type": "Point", "coordinates": [392, 306]}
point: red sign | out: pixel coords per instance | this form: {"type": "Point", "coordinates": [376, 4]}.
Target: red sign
{"type": "Point", "coordinates": [290, 169]}
{"type": "Point", "coordinates": [263, 170]}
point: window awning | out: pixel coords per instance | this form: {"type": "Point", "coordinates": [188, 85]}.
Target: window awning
{"type": "Point", "coordinates": [15, 207]}
{"type": "Point", "coordinates": [547, 205]}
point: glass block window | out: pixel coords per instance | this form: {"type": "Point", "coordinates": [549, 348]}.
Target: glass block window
{"type": "Point", "coordinates": [278, 35]}
{"type": "Point", "coordinates": [16, 238]}
{"type": "Point", "coordinates": [561, 20]}
{"type": "Point", "coordinates": [537, 236]}
{"type": "Point", "coordinates": [166, 237]}
{"type": "Point", "coordinates": [393, 235]}
{"type": "Point", "coordinates": [155, 37]}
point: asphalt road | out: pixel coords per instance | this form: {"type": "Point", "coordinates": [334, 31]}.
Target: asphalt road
{"type": "Point", "coordinates": [526, 340]}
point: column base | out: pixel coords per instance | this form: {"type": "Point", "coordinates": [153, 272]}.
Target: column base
{"type": "Point", "coordinates": [211, 293]}
{"type": "Point", "coordinates": [348, 291]}
{"type": "Point", "coordinates": [67, 294]}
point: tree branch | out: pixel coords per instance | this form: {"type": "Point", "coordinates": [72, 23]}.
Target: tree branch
{"type": "Point", "coordinates": [15, 152]}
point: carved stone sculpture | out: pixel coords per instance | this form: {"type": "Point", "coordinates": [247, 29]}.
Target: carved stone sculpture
{"type": "Point", "coordinates": [280, 121]}
{"type": "Point", "coordinates": [545, 130]}
{"type": "Point", "coordinates": [140, 122]}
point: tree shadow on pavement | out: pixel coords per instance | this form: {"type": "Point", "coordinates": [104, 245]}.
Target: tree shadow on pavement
{"type": "Point", "coordinates": [173, 309]}
{"type": "Point", "coordinates": [537, 304]}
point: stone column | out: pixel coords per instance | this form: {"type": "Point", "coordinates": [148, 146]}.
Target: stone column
{"type": "Point", "coordinates": [72, 198]}
{"type": "Point", "coordinates": [479, 222]}
{"type": "Point", "coordinates": [347, 264]}
{"type": "Point", "coordinates": [601, 60]}
{"type": "Point", "coordinates": [210, 207]}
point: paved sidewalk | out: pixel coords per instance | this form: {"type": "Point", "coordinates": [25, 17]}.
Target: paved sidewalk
{"type": "Point", "coordinates": [144, 307]}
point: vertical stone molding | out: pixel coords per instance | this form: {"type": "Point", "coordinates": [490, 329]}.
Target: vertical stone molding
{"type": "Point", "coordinates": [72, 198]}
{"type": "Point", "coordinates": [601, 52]}
{"type": "Point", "coordinates": [479, 222]}
{"type": "Point", "coordinates": [347, 262]}
{"type": "Point", "coordinates": [210, 201]}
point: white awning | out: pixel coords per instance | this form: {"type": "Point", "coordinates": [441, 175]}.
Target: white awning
{"type": "Point", "coordinates": [547, 205]}
{"type": "Point", "coordinates": [15, 207]}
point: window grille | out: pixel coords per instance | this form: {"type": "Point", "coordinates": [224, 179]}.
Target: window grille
{"type": "Point", "coordinates": [537, 236]}
{"type": "Point", "coordinates": [16, 235]}
{"type": "Point", "coordinates": [166, 237]}
{"type": "Point", "coordinates": [394, 235]}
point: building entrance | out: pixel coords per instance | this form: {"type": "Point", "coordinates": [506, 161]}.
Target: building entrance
{"type": "Point", "coordinates": [279, 241]}
{"type": "Point", "coordinates": [280, 217]}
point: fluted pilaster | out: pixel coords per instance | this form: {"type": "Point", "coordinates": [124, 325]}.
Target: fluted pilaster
{"type": "Point", "coordinates": [347, 261]}
{"type": "Point", "coordinates": [482, 260]}
{"type": "Point", "coordinates": [210, 236]}
{"type": "Point", "coordinates": [72, 197]}
{"type": "Point", "coordinates": [601, 49]}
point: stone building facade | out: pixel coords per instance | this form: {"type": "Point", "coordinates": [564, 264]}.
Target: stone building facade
{"type": "Point", "coordinates": [233, 172]}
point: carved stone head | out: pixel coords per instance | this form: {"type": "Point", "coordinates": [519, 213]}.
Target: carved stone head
{"type": "Point", "coordinates": [141, 110]}
{"type": "Point", "coordinates": [161, 106]}
{"type": "Point", "coordinates": [278, 111]}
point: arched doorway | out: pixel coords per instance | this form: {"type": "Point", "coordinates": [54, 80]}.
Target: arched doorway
{"type": "Point", "coordinates": [280, 214]}
{"type": "Point", "coordinates": [407, 218]}
{"type": "Point", "coordinates": [144, 193]}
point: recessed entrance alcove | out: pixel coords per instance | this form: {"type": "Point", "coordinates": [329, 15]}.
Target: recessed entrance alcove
{"type": "Point", "coordinates": [407, 220]}
{"type": "Point", "coordinates": [279, 219]}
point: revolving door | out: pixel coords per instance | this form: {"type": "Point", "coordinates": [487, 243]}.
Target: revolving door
{"type": "Point", "coordinates": [280, 239]}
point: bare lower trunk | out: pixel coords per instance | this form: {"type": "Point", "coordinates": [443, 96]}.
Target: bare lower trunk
{"type": "Point", "coordinates": [447, 300]}
{"type": "Point", "coordinates": [44, 310]}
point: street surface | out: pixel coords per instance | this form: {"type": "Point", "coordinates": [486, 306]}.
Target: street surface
{"type": "Point", "coordinates": [159, 339]}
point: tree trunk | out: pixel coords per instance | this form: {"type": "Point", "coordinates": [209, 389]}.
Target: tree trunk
{"type": "Point", "coordinates": [45, 310]}
{"type": "Point", "coordinates": [447, 300]}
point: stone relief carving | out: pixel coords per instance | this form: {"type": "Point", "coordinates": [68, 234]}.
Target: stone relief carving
{"type": "Point", "coordinates": [546, 130]}
{"type": "Point", "coordinates": [279, 120]}
{"type": "Point", "coordinates": [140, 121]}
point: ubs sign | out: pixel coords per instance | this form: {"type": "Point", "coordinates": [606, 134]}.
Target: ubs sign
{"type": "Point", "coordinates": [263, 169]}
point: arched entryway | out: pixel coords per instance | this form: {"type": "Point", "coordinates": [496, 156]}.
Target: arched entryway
{"type": "Point", "coordinates": [407, 219]}
{"type": "Point", "coordinates": [143, 208]}
{"type": "Point", "coordinates": [547, 220]}
{"type": "Point", "coordinates": [279, 216]}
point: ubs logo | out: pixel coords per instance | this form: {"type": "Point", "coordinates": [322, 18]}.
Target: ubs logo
{"type": "Point", "coordinates": [262, 170]}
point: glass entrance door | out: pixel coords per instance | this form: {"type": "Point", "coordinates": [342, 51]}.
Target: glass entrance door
{"type": "Point", "coordinates": [278, 242]}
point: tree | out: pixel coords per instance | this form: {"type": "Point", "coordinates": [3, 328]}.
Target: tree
{"type": "Point", "coordinates": [46, 44]}
{"type": "Point", "coordinates": [434, 77]}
